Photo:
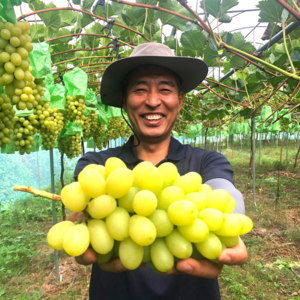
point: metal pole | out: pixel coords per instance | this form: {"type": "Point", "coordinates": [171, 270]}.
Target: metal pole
{"type": "Point", "coordinates": [253, 161]}
{"type": "Point", "coordinates": [220, 140]}
{"type": "Point", "coordinates": [53, 211]}
{"type": "Point", "coordinates": [227, 142]}
{"type": "Point", "coordinates": [241, 146]}
{"type": "Point", "coordinates": [94, 147]}
{"type": "Point", "coordinates": [277, 142]}
{"type": "Point", "coordinates": [217, 144]}
{"type": "Point", "coordinates": [260, 149]}
{"type": "Point", "coordinates": [298, 139]}
{"type": "Point", "coordinates": [38, 169]}
{"type": "Point", "coordinates": [287, 148]}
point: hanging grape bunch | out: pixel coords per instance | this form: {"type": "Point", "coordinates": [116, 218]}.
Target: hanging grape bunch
{"type": "Point", "coordinates": [7, 114]}
{"type": "Point", "coordinates": [115, 128]}
{"type": "Point", "coordinates": [70, 145]}
{"type": "Point", "coordinates": [24, 133]}
{"type": "Point", "coordinates": [241, 120]}
{"type": "Point", "coordinates": [90, 125]}
{"type": "Point", "coordinates": [15, 46]}
{"type": "Point", "coordinates": [75, 109]}
{"type": "Point", "coordinates": [149, 214]}
{"type": "Point", "coordinates": [98, 134]}
{"type": "Point", "coordinates": [284, 125]}
{"type": "Point", "coordinates": [128, 131]}
{"type": "Point", "coordinates": [49, 124]}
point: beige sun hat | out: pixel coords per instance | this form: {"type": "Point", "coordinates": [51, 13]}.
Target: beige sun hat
{"type": "Point", "coordinates": [190, 70]}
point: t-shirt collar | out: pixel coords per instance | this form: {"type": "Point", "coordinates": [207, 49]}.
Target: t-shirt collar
{"type": "Point", "coordinates": [176, 152]}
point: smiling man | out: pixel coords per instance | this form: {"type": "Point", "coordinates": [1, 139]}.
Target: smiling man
{"type": "Point", "coordinates": [150, 86]}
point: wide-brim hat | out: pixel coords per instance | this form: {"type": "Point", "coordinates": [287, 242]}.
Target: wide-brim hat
{"type": "Point", "coordinates": [190, 70]}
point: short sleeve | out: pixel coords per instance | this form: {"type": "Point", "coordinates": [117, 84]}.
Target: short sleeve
{"type": "Point", "coordinates": [215, 165]}
{"type": "Point", "coordinates": [88, 158]}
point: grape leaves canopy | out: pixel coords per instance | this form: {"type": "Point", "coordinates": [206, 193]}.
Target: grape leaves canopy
{"type": "Point", "coordinates": [271, 76]}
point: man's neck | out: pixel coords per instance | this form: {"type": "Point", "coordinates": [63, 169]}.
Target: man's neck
{"type": "Point", "coordinates": [153, 152]}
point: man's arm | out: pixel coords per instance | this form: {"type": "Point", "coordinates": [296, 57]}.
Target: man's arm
{"type": "Point", "coordinates": [220, 183]}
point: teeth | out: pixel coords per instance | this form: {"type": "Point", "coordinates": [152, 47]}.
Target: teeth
{"type": "Point", "coordinates": [153, 117]}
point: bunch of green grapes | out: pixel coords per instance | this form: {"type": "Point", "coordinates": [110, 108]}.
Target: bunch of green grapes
{"type": "Point", "coordinates": [24, 133]}
{"type": "Point", "coordinates": [128, 131]}
{"type": "Point", "coordinates": [240, 119]}
{"type": "Point", "coordinates": [7, 114]}
{"type": "Point", "coordinates": [284, 125]}
{"type": "Point", "coordinates": [116, 128]}
{"type": "Point", "coordinates": [70, 145]}
{"type": "Point", "coordinates": [15, 46]}
{"type": "Point", "coordinates": [90, 125]}
{"type": "Point", "coordinates": [49, 124]}
{"type": "Point", "coordinates": [98, 134]}
{"type": "Point", "coordinates": [75, 109]}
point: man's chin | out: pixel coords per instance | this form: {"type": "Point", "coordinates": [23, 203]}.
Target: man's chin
{"type": "Point", "coordinates": [154, 136]}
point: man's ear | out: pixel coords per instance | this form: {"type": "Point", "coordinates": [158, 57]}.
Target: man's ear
{"type": "Point", "coordinates": [181, 97]}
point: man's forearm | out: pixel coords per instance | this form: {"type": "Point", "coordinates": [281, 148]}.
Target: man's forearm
{"type": "Point", "coordinates": [220, 183]}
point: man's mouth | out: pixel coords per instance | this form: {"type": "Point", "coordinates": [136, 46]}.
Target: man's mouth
{"type": "Point", "coordinates": [153, 117]}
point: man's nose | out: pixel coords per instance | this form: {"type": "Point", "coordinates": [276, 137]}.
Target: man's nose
{"type": "Point", "coordinates": [153, 99]}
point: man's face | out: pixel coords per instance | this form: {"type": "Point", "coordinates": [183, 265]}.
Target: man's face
{"type": "Point", "coordinates": [152, 102]}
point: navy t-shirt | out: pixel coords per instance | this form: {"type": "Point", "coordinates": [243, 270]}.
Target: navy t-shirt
{"type": "Point", "coordinates": [143, 283]}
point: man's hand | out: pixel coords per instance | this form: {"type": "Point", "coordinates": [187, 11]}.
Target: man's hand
{"type": "Point", "coordinates": [236, 255]}
{"type": "Point", "coordinates": [90, 256]}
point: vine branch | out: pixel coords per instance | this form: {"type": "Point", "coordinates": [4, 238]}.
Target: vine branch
{"type": "Point", "coordinates": [36, 192]}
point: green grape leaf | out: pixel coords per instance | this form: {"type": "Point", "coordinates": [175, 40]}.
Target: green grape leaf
{"type": "Point", "coordinates": [37, 32]}
{"type": "Point", "coordinates": [218, 9]}
{"type": "Point", "coordinates": [117, 7]}
{"type": "Point", "coordinates": [270, 11]}
{"type": "Point", "coordinates": [226, 5]}
{"type": "Point", "coordinates": [246, 112]}
{"type": "Point", "coordinates": [211, 57]}
{"type": "Point", "coordinates": [136, 15]}
{"type": "Point", "coordinates": [87, 5]}
{"type": "Point", "coordinates": [193, 41]}
{"type": "Point", "coordinates": [67, 17]}
{"type": "Point", "coordinates": [86, 20]}
{"type": "Point", "coordinates": [225, 19]}
{"type": "Point", "coordinates": [237, 40]}
{"type": "Point", "coordinates": [77, 2]}
{"type": "Point", "coordinates": [65, 40]}
{"type": "Point", "coordinates": [212, 7]}
{"type": "Point", "coordinates": [109, 11]}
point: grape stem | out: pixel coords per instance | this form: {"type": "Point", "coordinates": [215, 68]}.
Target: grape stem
{"type": "Point", "coordinates": [36, 192]}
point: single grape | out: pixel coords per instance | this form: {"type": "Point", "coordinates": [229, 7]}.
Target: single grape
{"type": "Point", "coordinates": [229, 241]}
{"type": "Point", "coordinates": [247, 223]}
{"type": "Point", "coordinates": [162, 222]}
{"type": "Point", "coordinates": [169, 195]}
{"type": "Point", "coordinates": [103, 258]}
{"type": "Point", "coordinates": [131, 254]}
{"type": "Point", "coordinates": [136, 172]}
{"type": "Point", "coordinates": [112, 164]}
{"type": "Point", "coordinates": [213, 218]}
{"type": "Point", "coordinates": [182, 212]}
{"type": "Point", "coordinates": [218, 199]}
{"type": "Point", "coordinates": [119, 182]}
{"type": "Point", "coordinates": [76, 240]}
{"type": "Point", "coordinates": [73, 197]}
{"type": "Point", "coordinates": [144, 203]}
{"type": "Point", "coordinates": [169, 172]}
{"type": "Point", "coordinates": [101, 241]}
{"type": "Point", "coordinates": [232, 226]}
{"type": "Point", "coordinates": [151, 179]}
{"type": "Point", "coordinates": [178, 245]}
{"type": "Point", "coordinates": [198, 198]}
{"type": "Point", "coordinates": [187, 183]}
{"type": "Point", "coordinates": [117, 224]}
{"type": "Point", "coordinates": [142, 230]}
{"type": "Point", "coordinates": [100, 169]}
{"type": "Point", "coordinates": [230, 207]}
{"type": "Point", "coordinates": [205, 188]}
{"type": "Point", "coordinates": [57, 233]}
{"type": "Point", "coordinates": [161, 256]}
{"type": "Point", "coordinates": [196, 232]}
{"type": "Point", "coordinates": [101, 206]}
{"type": "Point", "coordinates": [211, 248]}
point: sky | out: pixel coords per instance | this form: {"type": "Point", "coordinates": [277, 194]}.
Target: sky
{"type": "Point", "coordinates": [243, 22]}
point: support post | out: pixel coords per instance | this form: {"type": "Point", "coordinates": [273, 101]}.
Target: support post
{"type": "Point", "coordinates": [276, 142]}
{"type": "Point", "coordinates": [38, 169]}
{"type": "Point", "coordinates": [94, 147]}
{"type": "Point", "coordinates": [220, 137]}
{"type": "Point", "coordinates": [298, 139]}
{"type": "Point", "coordinates": [287, 149]}
{"type": "Point", "coordinates": [53, 211]}
{"type": "Point", "coordinates": [253, 161]}
{"type": "Point", "coordinates": [260, 149]}
{"type": "Point", "coordinates": [241, 146]}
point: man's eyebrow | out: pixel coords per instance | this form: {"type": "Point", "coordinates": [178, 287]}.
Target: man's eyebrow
{"type": "Point", "coordinates": [167, 82]}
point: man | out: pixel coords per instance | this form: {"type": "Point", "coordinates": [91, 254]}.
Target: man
{"type": "Point", "coordinates": [150, 86]}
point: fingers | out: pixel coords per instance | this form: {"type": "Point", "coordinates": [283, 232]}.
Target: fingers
{"type": "Point", "coordinates": [203, 268]}
{"type": "Point", "coordinates": [75, 216]}
{"type": "Point", "coordinates": [236, 255]}
{"type": "Point", "coordinates": [87, 258]}
{"type": "Point", "coordinates": [116, 266]}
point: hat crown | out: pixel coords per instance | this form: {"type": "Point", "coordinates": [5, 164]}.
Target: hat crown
{"type": "Point", "coordinates": [152, 49]}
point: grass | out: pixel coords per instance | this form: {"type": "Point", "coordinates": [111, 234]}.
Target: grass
{"type": "Point", "coordinates": [26, 262]}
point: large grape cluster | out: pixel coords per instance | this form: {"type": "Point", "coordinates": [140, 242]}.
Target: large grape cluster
{"type": "Point", "coordinates": [49, 124]}
{"type": "Point", "coordinates": [24, 133]}
{"type": "Point", "coordinates": [6, 120]}
{"type": "Point", "coordinates": [98, 134]}
{"type": "Point", "coordinates": [75, 109]}
{"type": "Point", "coordinates": [90, 125]}
{"type": "Point", "coordinates": [15, 46]}
{"type": "Point", "coordinates": [70, 145]}
{"type": "Point", "coordinates": [284, 125]}
{"type": "Point", "coordinates": [139, 216]}
{"type": "Point", "coordinates": [128, 131]}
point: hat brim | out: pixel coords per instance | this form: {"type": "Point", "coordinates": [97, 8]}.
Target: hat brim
{"type": "Point", "coordinates": [191, 71]}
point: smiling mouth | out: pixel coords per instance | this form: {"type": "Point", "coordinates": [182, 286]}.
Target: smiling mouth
{"type": "Point", "coordinates": [153, 117]}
